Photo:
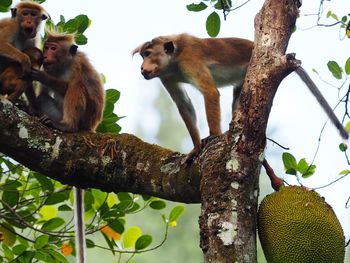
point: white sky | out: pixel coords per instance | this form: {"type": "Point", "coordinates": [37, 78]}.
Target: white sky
{"type": "Point", "coordinates": [296, 119]}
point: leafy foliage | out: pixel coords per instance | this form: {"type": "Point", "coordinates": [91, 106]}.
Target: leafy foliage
{"type": "Point", "coordinates": [293, 167]}
{"type": "Point", "coordinates": [213, 22]}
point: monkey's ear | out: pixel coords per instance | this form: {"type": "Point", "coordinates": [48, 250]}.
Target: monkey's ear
{"type": "Point", "coordinates": [13, 12]}
{"type": "Point", "coordinates": [169, 47]}
{"type": "Point", "coordinates": [43, 17]}
{"type": "Point", "coordinates": [73, 49]}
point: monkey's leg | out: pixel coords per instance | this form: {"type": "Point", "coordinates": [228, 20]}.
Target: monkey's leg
{"type": "Point", "coordinates": [79, 225]}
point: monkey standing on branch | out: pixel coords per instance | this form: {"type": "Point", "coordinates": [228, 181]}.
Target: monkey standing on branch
{"type": "Point", "coordinates": [207, 64]}
{"type": "Point", "coordinates": [13, 85]}
{"type": "Point", "coordinates": [20, 32]}
{"type": "Point", "coordinates": [72, 100]}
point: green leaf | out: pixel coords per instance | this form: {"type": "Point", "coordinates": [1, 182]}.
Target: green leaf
{"type": "Point", "coordinates": [344, 172]}
{"type": "Point", "coordinates": [57, 198]}
{"type": "Point", "coordinates": [213, 25]}
{"type": "Point", "coordinates": [41, 241]}
{"type": "Point", "coordinates": [45, 182]}
{"type": "Point", "coordinates": [227, 5]}
{"type": "Point", "coordinates": [158, 205]}
{"type": "Point", "coordinates": [176, 212]}
{"type": "Point", "coordinates": [83, 23]}
{"type": "Point", "coordinates": [7, 252]}
{"type": "Point", "coordinates": [309, 172]}
{"type": "Point", "coordinates": [196, 7]}
{"type": "Point", "coordinates": [90, 243]}
{"type": "Point", "coordinates": [27, 256]}
{"type": "Point", "coordinates": [347, 126]}
{"type": "Point", "coordinates": [347, 66]}
{"type": "Point", "coordinates": [130, 236]}
{"type": "Point", "coordinates": [53, 224]}
{"type": "Point", "coordinates": [117, 226]}
{"type": "Point", "coordinates": [10, 197]}
{"type": "Point", "coordinates": [59, 258]}
{"type": "Point", "coordinates": [343, 147]}
{"type": "Point", "coordinates": [143, 241]}
{"type": "Point", "coordinates": [290, 163]}
{"type": "Point", "coordinates": [302, 166]}
{"type": "Point", "coordinates": [123, 196]}
{"type": "Point", "coordinates": [5, 5]}
{"type": "Point", "coordinates": [112, 95]}
{"type": "Point", "coordinates": [19, 249]}
{"type": "Point", "coordinates": [48, 212]}
{"type": "Point", "coordinates": [335, 69]}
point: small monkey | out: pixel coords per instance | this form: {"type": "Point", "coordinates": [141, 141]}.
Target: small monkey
{"type": "Point", "coordinates": [207, 64]}
{"type": "Point", "coordinates": [10, 81]}
{"type": "Point", "coordinates": [20, 32]}
{"type": "Point", "coordinates": [72, 100]}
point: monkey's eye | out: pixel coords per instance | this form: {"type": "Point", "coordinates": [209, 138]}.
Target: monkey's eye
{"type": "Point", "coordinates": [146, 53]}
{"type": "Point", "coordinates": [53, 48]}
{"type": "Point", "coordinates": [25, 13]}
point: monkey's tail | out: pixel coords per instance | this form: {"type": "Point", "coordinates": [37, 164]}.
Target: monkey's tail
{"type": "Point", "coordinates": [79, 225]}
{"type": "Point", "coordinates": [322, 101]}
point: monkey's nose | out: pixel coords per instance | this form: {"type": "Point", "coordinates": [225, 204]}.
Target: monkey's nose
{"type": "Point", "coordinates": [145, 73]}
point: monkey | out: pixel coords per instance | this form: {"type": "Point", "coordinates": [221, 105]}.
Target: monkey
{"type": "Point", "coordinates": [73, 100]}
{"type": "Point", "coordinates": [206, 64]}
{"type": "Point", "coordinates": [13, 85]}
{"type": "Point", "coordinates": [20, 32]}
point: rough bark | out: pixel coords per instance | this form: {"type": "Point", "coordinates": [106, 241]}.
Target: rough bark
{"type": "Point", "coordinates": [110, 162]}
{"type": "Point", "coordinates": [229, 176]}
{"type": "Point", "coordinates": [224, 178]}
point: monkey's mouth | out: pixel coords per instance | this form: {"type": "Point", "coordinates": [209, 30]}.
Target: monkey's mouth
{"type": "Point", "coordinates": [30, 32]}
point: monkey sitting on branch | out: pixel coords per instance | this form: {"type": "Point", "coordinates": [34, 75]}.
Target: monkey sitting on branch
{"type": "Point", "coordinates": [72, 99]}
{"type": "Point", "coordinates": [207, 64]}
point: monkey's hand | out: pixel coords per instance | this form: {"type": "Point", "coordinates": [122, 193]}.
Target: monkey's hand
{"type": "Point", "coordinates": [26, 65]}
{"type": "Point", "coordinates": [38, 75]}
{"type": "Point", "coordinates": [46, 121]}
{"type": "Point", "coordinates": [193, 154]}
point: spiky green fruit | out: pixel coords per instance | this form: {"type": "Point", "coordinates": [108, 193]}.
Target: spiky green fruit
{"type": "Point", "coordinates": [296, 225]}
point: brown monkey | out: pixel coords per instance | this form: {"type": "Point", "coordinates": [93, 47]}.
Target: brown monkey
{"type": "Point", "coordinates": [76, 102]}
{"type": "Point", "coordinates": [73, 100]}
{"type": "Point", "coordinates": [207, 64]}
{"type": "Point", "coordinates": [20, 32]}
{"type": "Point", "coordinates": [10, 81]}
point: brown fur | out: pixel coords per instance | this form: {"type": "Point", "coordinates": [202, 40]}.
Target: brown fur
{"type": "Point", "coordinates": [76, 84]}
{"type": "Point", "coordinates": [205, 63]}
{"type": "Point", "coordinates": [20, 32]}
{"type": "Point", "coordinates": [10, 82]}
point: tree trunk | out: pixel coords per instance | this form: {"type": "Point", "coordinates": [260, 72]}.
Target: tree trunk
{"type": "Point", "coordinates": [231, 165]}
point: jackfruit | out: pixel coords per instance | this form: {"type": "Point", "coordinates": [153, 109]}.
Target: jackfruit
{"type": "Point", "coordinates": [296, 225]}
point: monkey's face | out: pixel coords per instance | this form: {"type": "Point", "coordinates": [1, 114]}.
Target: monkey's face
{"type": "Point", "coordinates": [56, 57]}
{"type": "Point", "coordinates": [29, 20]}
{"type": "Point", "coordinates": [157, 58]}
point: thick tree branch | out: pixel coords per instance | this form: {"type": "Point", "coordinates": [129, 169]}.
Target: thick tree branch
{"type": "Point", "coordinates": [109, 162]}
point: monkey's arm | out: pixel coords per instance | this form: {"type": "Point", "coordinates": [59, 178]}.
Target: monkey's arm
{"type": "Point", "coordinates": [9, 51]}
{"type": "Point", "coordinates": [322, 101]}
{"type": "Point", "coordinates": [58, 85]}
{"type": "Point", "coordinates": [186, 110]}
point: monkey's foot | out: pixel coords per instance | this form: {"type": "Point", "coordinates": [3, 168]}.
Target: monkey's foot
{"type": "Point", "coordinates": [205, 140]}
{"type": "Point", "coordinates": [193, 154]}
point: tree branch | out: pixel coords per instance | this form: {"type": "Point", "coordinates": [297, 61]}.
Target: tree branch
{"type": "Point", "coordinates": [110, 162]}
